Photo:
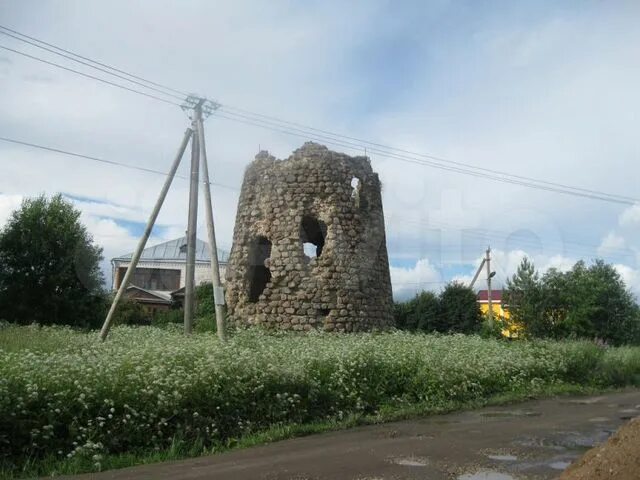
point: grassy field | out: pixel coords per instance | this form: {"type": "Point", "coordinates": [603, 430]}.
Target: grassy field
{"type": "Point", "coordinates": [70, 403]}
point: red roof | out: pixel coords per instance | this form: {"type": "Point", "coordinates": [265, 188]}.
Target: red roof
{"type": "Point", "coordinates": [496, 295]}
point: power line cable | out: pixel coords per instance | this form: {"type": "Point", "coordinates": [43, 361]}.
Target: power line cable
{"type": "Point", "coordinates": [362, 142]}
{"type": "Point", "coordinates": [94, 61]}
{"type": "Point", "coordinates": [291, 128]}
{"type": "Point", "coordinates": [94, 67]}
{"type": "Point", "coordinates": [89, 76]}
{"type": "Point", "coordinates": [603, 196]}
{"type": "Point", "coordinates": [102, 160]}
{"type": "Point", "coordinates": [497, 235]}
{"type": "Point", "coordinates": [478, 233]}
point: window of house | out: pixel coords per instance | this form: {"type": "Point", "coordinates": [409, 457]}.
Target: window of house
{"type": "Point", "coordinates": [153, 278]}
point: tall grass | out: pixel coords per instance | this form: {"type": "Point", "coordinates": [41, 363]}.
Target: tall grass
{"type": "Point", "coordinates": [64, 394]}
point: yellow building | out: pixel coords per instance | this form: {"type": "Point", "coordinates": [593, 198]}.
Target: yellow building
{"type": "Point", "coordinates": [500, 312]}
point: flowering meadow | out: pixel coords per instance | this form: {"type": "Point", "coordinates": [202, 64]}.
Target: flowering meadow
{"type": "Point", "coordinates": [64, 394]}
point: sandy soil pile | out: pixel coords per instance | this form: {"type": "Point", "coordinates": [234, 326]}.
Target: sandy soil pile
{"type": "Point", "coordinates": [618, 458]}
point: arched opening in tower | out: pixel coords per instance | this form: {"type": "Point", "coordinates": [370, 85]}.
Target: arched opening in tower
{"type": "Point", "coordinates": [312, 233]}
{"type": "Point", "coordinates": [259, 272]}
{"type": "Point", "coordinates": [355, 190]}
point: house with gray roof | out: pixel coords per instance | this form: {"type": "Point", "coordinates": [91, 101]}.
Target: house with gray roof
{"type": "Point", "coordinates": [161, 271]}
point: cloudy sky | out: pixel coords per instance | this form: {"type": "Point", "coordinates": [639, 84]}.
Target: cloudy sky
{"type": "Point", "coordinates": [541, 89]}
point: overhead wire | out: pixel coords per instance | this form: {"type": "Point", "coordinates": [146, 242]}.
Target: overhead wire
{"type": "Point", "coordinates": [483, 234]}
{"type": "Point", "coordinates": [123, 77]}
{"type": "Point", "coordinates": [602, 197]}
{"type": "Point", "coordinates": [69, 52]}
{"type": "Point", "coordinates": [292, 128]}
{"type": "Point", "coordinates": [345, 141]}
{"type": "Point", "coordinates": [363, 143]}
{"type": "Point", "coordinates": [499, 236]}
{"type": "Point", "coordinates": [105, 161]}
{"type": "Point", "coordinates": [93, 77]}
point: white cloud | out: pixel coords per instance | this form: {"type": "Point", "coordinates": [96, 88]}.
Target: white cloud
{"type": "Point", "coordinates": [611, 242]}
{"type": "Point", "coordinates": [425, 276]}
{"type": "Point", "coordinates": [630, 216]}
{"type": "Point", "coordinates": [467, 279]}
{"type": "Point", "coordinates": [409, 281]}
{"type": "Point", "coordinates": [558, 262]}
{"type": "Point", "coordinates": [8, 203]}
{"type": "Point", "coordinates": [110, 210]}
{"type": "Point", "coordinates": [547, 93]}
{"type": "Point", "coordinates": [630, 276]}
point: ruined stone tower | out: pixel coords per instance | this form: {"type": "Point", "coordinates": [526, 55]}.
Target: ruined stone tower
{"type": "Point", "coordinates": [309, 247]}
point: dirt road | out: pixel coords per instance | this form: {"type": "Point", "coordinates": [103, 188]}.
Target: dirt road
{"type": "Point", "coordinates": [531, 440]}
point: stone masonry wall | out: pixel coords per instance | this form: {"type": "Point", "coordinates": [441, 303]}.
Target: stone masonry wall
{"type": "Point", "coordinates": [309, 247]}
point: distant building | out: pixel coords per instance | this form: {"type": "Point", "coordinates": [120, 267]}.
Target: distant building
{"type": "Point", "coordinates": [159, 278]}
{"type": "Point", "coordinates": [496, 303]}
{"type": "Point", "coordinates": [500, 311]}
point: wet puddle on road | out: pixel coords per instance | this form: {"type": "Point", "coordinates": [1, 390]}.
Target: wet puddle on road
{"type": "Point", "coordinates": [409, 461]}
{"type": "Point", "coordinates": [503, 458]}
{"type": "Point", "coordinates": [599, 419]}
{"type": "Point", "coordinates": [583, 401]}
{"type": "Point", "coordinates": [511, 413]}
{"type": "Point", "coordinates": [633, 411]}
{"type": "Point", "coordinates": [566, 440]}
{"type": "Point", "coordinates": [486, 475]}
{"type": "Point", "coordinates": [560, 465]}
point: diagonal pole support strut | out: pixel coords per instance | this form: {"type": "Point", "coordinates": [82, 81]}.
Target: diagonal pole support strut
{"type": "Point", "coordinates": [145, 236]}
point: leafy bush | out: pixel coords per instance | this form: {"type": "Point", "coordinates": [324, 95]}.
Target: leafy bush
{"type": "Point", "coordinates": [129, 312]}
{"type": "Point", "coordinates": [66, 394]}
{"type": "Point", "coordinates": [459, 309]}
{"type": "Point", "coordinates": [205, 313]}
{"type": "Point", "coordinates": [493, 329]}
{"type": "Point", "coordinates": [455, 309]}
{"type": "Point", "coordinates": [204, 300]}
{"type": "Point", "coordinates": [204, 317]}
{"type": "Point", "coordinates": [205, 324]}
{"type": "Point", "coordinates": [168, 317]}
{"type": "Point", "coordinates": [420, 313]}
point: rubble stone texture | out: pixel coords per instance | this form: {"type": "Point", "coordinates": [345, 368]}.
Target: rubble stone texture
{"type": "Point", "coordinates": [309, 248]}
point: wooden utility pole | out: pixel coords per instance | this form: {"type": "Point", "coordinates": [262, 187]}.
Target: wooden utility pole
{"type": "Point", "coordinates": [192, 225]}
{"type": "Point", "coordinates": [488, 263]}
{"type": "Point", "coordinates": [198, 153]}
{"type": "Point", "coordinates": [218, 291]}
{"type": "Point", "coordinates": [145, 236]}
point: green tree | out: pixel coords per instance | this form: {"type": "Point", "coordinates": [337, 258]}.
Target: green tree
{"type": "Point", "coordinates": [426, 311]}
{"type": "Point", "coordinates": [592, 302]}
{"type": "Point", "coordinates": [402, 315]}
{"type": "Point", "coordinates": [585, 302]}
{"type": "Point", "coordinates": [49, 266]}
{"type": "Point", "coordinates": [459, 310]}
{"type": "Point", "coordinates": [419, 313]}
{"type": "Point", "coordinates": [523, 295]}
